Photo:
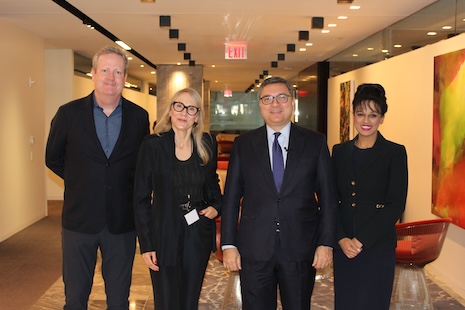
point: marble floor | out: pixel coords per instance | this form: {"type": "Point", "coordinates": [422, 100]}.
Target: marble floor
{"type": "Point", "coordinates": [221, 290]}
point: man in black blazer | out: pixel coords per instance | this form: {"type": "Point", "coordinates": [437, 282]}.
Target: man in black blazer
{"type": "Point", "coordinates": [93, 145]}
{"type": "Point", "coordinates": [285, 230]}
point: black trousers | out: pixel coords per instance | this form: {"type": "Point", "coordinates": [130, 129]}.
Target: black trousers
{"type": "Point", "coordinates": [79, 259]}
{"type": "Point", "coordinates": [260, 280]}
{"type": "Point", "coordinates": [178, 287]}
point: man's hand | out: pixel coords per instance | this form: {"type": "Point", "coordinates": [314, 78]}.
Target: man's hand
{"type": "Point", "coordinates": [232, 259]}
{"type": "Point", "coordinates": [323, 257]}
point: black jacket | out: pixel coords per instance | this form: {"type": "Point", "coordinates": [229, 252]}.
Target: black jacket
{"type": "Point", "coordinates": [304, 221]}
{"type": "Point", "coordinates": [98, 190]}
{"type": "Point", "coordinates": [156, 209]}
{"type": "Point", "coordinates": [373, 198]}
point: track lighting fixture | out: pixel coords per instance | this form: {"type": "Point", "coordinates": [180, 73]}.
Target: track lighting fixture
{"type": "Point", "coordinates": [318, 22]}
{"type": "Point", "coordinates": [304, 35]}
{"type": "Point", "coordinates": [165, 21]}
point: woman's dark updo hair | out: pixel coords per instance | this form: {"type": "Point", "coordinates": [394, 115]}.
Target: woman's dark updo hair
{"type": "Point", "coordinates": [371, 92]}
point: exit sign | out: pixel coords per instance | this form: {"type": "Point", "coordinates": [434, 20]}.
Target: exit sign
{"type": "Point", "coordinates": [235, 50]}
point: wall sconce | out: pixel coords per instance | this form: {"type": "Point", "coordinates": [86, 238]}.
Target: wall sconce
{"type": "Point", "coordinates": [304, 35]}
{"type": "Point", "coordinates": [318, 22]}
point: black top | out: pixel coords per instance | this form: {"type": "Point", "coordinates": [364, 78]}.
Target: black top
{"type": "Point", "coordinates": [359, 156]}
{"type": "Point", "coordinates": [188, 179]}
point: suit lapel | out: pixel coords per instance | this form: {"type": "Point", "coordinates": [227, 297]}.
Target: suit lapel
{"type": "Point", "coordinates": [123, 129]}
{"type": "Point", "coordinates": [88, 108]}
{"type": "Point", "coordinates": [347, 159]}
{"type": "Point", "coordinates": [262, 155]}
{"type": "Point", "coordinates": [295, 151]}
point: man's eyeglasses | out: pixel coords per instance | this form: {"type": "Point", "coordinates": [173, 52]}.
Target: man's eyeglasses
{"type": "Point", "coordinates": [281, 98]}
{"type": "Point", "coordinates": [179, 107]}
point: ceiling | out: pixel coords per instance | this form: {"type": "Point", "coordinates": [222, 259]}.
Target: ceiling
{"type": "Point", "coordinates": [267, 26]}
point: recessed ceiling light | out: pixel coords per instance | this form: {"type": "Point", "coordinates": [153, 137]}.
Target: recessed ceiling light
{"type": "Point", "coordinates": [354, 55]}
{"type": "Point", "coordinates": [370, 48]}
{"type": "Point", "coordinates": [385, 51]}
{"type": "Point", "coordinates": [129, 58]}
{"type": "Point", "coordinates": [354, 7]}
{"type": "Point", "coordinates": [152, 72]}
{"type": "Point", "coordinates": [447, 27]}
{"type": "Point", "coordinates": [302, 49]}
{"type": "Point", "coordinates": [213, 66]}
{"type": "Point", "coordinates": [397, 45]}
{"type": "Point", "coordinates": [308, 44]}
{"type": "Point", "coordinates": [342, 17]}
{"type": "Point", "coordinates": [142, 66]}
{"type": "Point", "coordinates": [325, 31]}
{"type": "Point", "coordinates": [431, 33]}
{"type": "Point", "coordinates": [332, 25]}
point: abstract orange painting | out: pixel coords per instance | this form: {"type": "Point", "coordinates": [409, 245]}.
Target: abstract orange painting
{"type": "Point", "coordinates": [448, 199]}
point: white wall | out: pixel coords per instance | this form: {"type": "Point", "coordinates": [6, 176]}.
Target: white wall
{"type": "Point", "coordinates": [408, 80]}
{"type": "Point", "coordinates": [22, 110]}
{"type": "Point", "coordinates": [59, 71]}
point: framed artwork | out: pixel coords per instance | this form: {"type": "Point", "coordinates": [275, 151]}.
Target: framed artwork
{"type": "Point", "coordinates": [448, 162]}
{"type": "Point", "coordinates": [345, 102]}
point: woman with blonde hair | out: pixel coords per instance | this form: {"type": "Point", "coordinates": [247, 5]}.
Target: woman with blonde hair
{"type": "Point", "coordinates": [177, 197]}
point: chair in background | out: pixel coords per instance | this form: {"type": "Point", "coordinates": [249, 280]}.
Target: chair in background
{"type": "Point", "coordinates": [224, 147]}
{"type": "Point", "coordinates": [418, 243]}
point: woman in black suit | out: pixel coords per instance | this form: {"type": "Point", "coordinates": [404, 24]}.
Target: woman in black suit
{"type": "Point", "coordinates": [177, 198]}
{"type": "Point", "coordinates": [371, 175]}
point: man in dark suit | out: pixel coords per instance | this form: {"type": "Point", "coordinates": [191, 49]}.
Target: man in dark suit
{"type": "Point", "coordinates": [287, 219]}
{"type": "Point", "coordinates": [93, 145]}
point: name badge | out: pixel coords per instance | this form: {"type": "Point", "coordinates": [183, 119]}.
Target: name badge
{"type": "Point", "coordinates": [192, 217]}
